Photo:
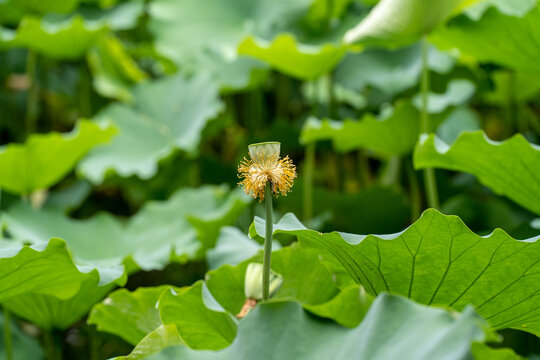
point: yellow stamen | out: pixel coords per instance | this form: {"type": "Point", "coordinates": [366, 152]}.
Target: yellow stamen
{"type": "Point", "coordinates": [255, 173]}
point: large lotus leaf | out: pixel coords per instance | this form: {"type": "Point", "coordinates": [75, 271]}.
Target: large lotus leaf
{"type": "Point", "coordinates": [219, 25]}
{"type": "Point", "coordinates": [438, 260]}
{"type": "Point", "coordinates": [399, 22]}
{"type": "Point", "coordinates": [284, 53]}
{"type": "Point", "coordinates": [484, 352]}
{"type": "Point", "coordinates": [64, 39]}
{"type": "Point", "coordinates": [130, 315]}
{"type": "Point", "coordinates": [502, 39]}
{"type": "Point", "coordinates": [47, 269]}
{"type": "Point", "coordinates": [115, 72]}
{"type": "Point", "coordinates": [49, 312]}
{"type": "Point", "coordinates": [232, 247]}
{"type": "Point", "coordinates": [24, 347]}
{"type": "Point", "coordinates": [149, 238]}
{"type": "Point", "coordinates": [45, 158]}
{"type": "Point", "coordinates": [201, 322]}
{"type": "Point", "coordinates": [509, 168]}
{"type": "Point", "coordinates": [458, 92]}
{"type": "Point", "coordinates": [395, 133]}
{"type": "Point", "coordinates": [166, 114]}
{"type": "Point", "coordinates": [390, 330]}
{"type": "Point", "coordinates": [218, 29]}
{"type": "Point", "coordinates": [388, 71]}
{"type": "Point", "coordinates": [460, 120]}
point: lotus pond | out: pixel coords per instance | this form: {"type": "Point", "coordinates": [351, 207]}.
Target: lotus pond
{"type": "Point", "coordinates": [270, 179]}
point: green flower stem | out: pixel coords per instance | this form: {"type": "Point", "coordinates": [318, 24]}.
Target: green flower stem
{"type": "Point", "coordinates": [309, 165]}
{"type": "Point", "coordinates": [414, 192]}
{"type": "Point", "coordinates": [429, 173]}
{"type": "Point", "coordinates": [8, 342]}
{"type": "Point", "coordinates": [267, 242]}
{"type": "Point", "coordinates": [32, 96]}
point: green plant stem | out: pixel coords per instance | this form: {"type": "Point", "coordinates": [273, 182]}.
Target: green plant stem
{"type": "Point", "coordinates": [8, 342]}
{"type": "Point", "coordinates": [309, 166]}
{"type": "Point", "coordinates": [50, 346]}
{"type": "Point", "coordinates": [364, 169]}
{"type": "Point", "coordinates": [429, 173]}
{"type": "Point", "coordinates": [267, 241]}
{"type": "Point", "coordinates": [414, 192]}
{"type": "Point", "coordinates": [32, 95]}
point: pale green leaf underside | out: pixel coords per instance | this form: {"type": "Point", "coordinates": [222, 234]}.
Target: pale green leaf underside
{"type": "Point", "coordinates": [209, 41]}
{"type": "Point", "coordinates": [282, 330]}
{"type": "Point", "coordinates": [149, 238]}
{"type": "Point", "coordinates": [439, 261]}
{"type": "Point", "coordinates": [510, 168]}
{"type": "Point", "coordinates": [502, 39]}
{"type": "Point", "coordinates": [166, 114]}
{"type": "Point", "coordinates": [284, 53]}
{"type": "Point", "coordinates": [399, 22]}
{"type": "Point", "coordinates": [393, 134]}
{"type": "Point", "coordinates": [457, 92]}
{"type": "Point", "coordinates": [388, 71]}
{"type": "Point", "coordinates": [36, 164]}
{"type": "Point", "coordinates": [66, 39]}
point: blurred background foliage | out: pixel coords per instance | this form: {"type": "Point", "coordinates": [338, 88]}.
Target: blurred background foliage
{"type": "Point", "coordinates": [165, 95]}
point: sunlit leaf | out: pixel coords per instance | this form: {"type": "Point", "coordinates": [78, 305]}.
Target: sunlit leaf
{"type": "Point", "coordinates": [114, 70]}
{"type": "Point", "coordinates": [59, 39]}
{"type": "Point", "coordinates": [439, 261]}
{"type": "Point", "coordinates": [45, 158]}
{"type": "Point", "coordinates": [285, 54]}
{"type": "Point", "coordinates": [516, 45]}
{"type": "Point", "coordinates": [457, 92]}
{"type": "Point", "coordinates": [395, 133]}
{"type": "Point", "coordinates": [509, 168]}
{"type": "Point", "coordinates": [166, 115]}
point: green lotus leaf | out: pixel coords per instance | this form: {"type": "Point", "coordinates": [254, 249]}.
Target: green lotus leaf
{"type": "Point", "coordinates": [283, 330]}
{"type": "Point", "coordinates": [511, 34]}
{"type": "Point", "coordinates": [509, 168]}
{"type": "Point", "coordinates": [166, 115]}
{"type": "Point", "coordinates": [201, 322]}
{"type": "Point", "coordinates": [48, 269]}
{"type": "Point", "coordinates": [24, 347]}
{"type": "Point", "coordinates": [439, 261]}
{"type": "Point", "coordinates": [35, 164]}
{"type": "Point", "coordinates": [284, 53]}
{"type": "Point", "coordinates": [395, 133]}
{"type": "Point", "coordinates": [390, 71]}
{"type": "Point", "coordinates": [482, 351]}
{"type": "Point", "coordinates": [49, 312]}
{"type": "Point", "coordinates": [396, 23]}
{"type": "Point", "coordinates": [457, 93]}
{"type": "Point", "coordinates": [215, 33]}
{"type": "Point", "coordinates": [115, 72]}
{"type": "Point", "coordinates": [130, 315]}
{"type": "Point", "coordinates": [509, 7]}
{"type": "Point", "coordinates": [232, 247]}
{"type": "Point", "coordinates": [158, 231]}
{"type": "Point", "coordinates": [63, 39]}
